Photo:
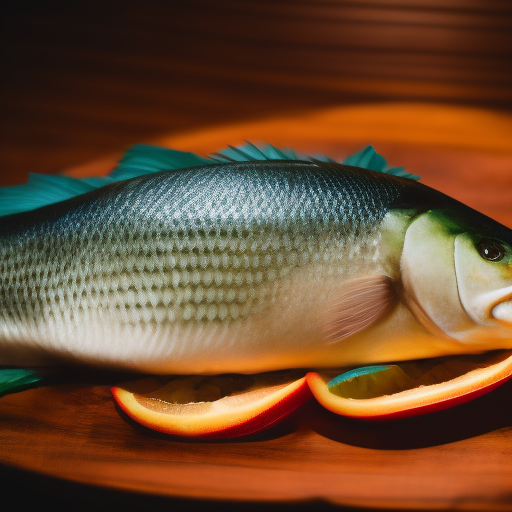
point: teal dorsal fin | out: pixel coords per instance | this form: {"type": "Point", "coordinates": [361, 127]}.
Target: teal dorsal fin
{"type": "Point", "coordinates": [369, 159]}
{"type": "Point", "coordinates": [44, 189]}
{"type": "Point", "coordinates": [41, 190]}
{"type": "Point", "coordinates": [145, 159]}
{"type": "Point", "coordinates": [251, 152]}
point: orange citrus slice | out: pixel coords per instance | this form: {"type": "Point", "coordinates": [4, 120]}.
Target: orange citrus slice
{"type": "Point", "coordinates": [407, 389]}
{"type": "Point", "coordinates": [212, 406]}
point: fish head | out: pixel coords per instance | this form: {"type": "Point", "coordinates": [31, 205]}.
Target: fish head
{"type": "Point", "coordinates": [456, 272]}
{"type": "Point", "coordinates": [455, 276]}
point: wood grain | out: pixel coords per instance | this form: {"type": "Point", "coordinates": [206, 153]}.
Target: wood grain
{"type": "Point", "coordinates": [79, 82]}
{"type": "Point", "coordinates": [454, 459]}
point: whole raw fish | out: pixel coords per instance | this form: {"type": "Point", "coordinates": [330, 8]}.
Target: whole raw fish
{"type": "Point", "coordinates": [252, 260]}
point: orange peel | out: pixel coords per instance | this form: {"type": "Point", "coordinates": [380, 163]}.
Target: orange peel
{"type": "Point", "coordinates": [420, 399]}
{"type": "Point", "coordinates": [260, 402]}
{"type": "Point", "coordinates": [229, 406]}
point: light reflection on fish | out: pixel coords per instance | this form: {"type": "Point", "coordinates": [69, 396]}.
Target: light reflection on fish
{"type": "Point", "coordinates": [255, 259]}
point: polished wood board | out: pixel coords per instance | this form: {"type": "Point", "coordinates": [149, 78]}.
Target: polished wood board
{"type": "Point", "coordinates": [460, 458]}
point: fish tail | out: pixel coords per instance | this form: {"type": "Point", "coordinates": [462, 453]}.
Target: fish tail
{"type": "Point", "coordinates": [18, 379]}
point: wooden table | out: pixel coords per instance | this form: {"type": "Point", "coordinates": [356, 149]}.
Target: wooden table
{"type": "Point", "coordinates": [460, 458]}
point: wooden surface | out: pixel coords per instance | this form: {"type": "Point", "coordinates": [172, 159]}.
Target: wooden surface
{"type": "Point", "coordinates": [81, 81]}
{"type": "Point", "coordinates": [456, 459]}
{"type": "Point", "coordinates": [459, 458]}
{"type": "Point", "coordinates": [80, 84]}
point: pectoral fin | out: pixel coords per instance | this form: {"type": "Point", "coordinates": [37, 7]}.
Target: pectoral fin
{"type": "Point", "coordinates": [360, 303]}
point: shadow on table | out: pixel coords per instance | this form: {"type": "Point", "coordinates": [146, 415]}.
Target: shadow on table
{"type": "Point", "coordinates": [24, 489]}
{"type": "Point", "coordinates": [483, 415]}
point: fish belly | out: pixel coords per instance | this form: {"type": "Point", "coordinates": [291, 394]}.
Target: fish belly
{"type": "Point", "coordinates": [170, 309]}
{"type": "Point", "coordinates": [160, 276]}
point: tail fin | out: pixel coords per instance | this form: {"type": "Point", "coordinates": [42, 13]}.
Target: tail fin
{"type": "Point", "coordinates": [17, 379]}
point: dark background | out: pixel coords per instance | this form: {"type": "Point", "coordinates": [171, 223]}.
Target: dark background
{"type": "Point", "coordinates": [80, 82]}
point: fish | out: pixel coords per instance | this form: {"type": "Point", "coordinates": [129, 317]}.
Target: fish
{"type": "Point", "coordinates": [250, 260]}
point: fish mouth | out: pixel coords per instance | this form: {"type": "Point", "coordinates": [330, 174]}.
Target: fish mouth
{"type": "Point", "coordinates": [410, 388]}
{"type": "Point", "coordinates": [485, 291]}
{"type": "Point", "coordinates": [503, 311]}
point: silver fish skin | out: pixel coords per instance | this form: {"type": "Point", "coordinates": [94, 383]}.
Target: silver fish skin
{"type": "Point", "coordinates": [232, 267]}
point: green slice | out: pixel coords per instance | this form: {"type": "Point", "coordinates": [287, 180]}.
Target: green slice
{"type": "Point", "coordinates": [376, 381]}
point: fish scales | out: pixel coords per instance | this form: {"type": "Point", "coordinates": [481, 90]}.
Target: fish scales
{"type": "Point", "coordinates": [130, 270]}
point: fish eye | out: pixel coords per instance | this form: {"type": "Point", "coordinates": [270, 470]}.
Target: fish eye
{"type": "Point", "coordinates": [491, 250]}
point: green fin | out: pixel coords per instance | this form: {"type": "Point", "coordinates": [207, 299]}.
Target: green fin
{"type": "Point", "coordinates": [17, 379]}
{"type": "Point", "coordinates": [249, 152]}
{"type": "Point", "coordinates": [357, 372]}
{"type": "Point", "coordinates": [144, 159]}
{"type": "Point", "coordinates": [141, 159]}
{"type": "Point", "coordinates": [41, 190]}
{"type": "Point", "coordinates": [366, 382]}
{"type": "Point", "coordinates": [369, 159]}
